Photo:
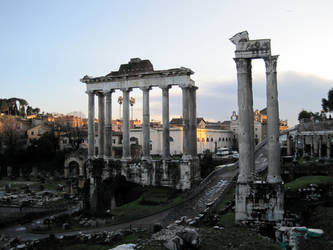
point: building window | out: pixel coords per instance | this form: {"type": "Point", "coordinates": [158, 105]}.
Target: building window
{"type": "Point", "coordinates": [32, 133]}
{"type": "Point", "coordinates": [223, 139]}
{"type": "Point", "coordinates": [170, 138]}
{"type": "Point", "coordinates": [219, 138]}
{"type": "Point", "coordinates": [207, 139]}
{"type": "Point", "coordinates": [211, 139]}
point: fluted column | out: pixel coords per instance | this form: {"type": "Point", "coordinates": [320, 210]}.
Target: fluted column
{"type": "Point", "coordinates": [146, 124]}
{"type": "Point", "coordinates": [328, 146]}
{"type": "Point", "coordinates": [126, 123]}
{"type": "Point", "coordinates": [273, 122]}
{"type": "Point", "coordinates": [193, 121]}
{"type": "Point", "coordinates": [91, 125]}
{"type": "Point", "coordinates": [319, 146]}
{"type": "Point", "coordinates": [186, 134]}
{"type": "Point", "coordinates": [312, 146]}
{"type": "Point", "coordinates": [245, 133]}
{"type": "Point", "coordinates": [165, 122]}
{"type": "Point", "coordinates": [296, 146]}
{"type": "Point", "coordinates": [108, 125]}
{"type": "Point", "coordinates": [304, 144]}
{"type": "Point", "coordinates": [101, 122]}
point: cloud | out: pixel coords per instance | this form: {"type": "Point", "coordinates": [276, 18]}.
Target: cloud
{"type": "Point", "coordinates": [297, 91]}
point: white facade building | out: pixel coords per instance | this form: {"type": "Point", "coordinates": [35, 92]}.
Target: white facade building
{"type": "Point", "coordinates": [207, 139]}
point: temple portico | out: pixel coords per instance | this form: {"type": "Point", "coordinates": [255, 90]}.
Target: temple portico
{"type": "Point", "coordinates": [180, 174]}
{"type": "Point", "coordinates": [139, 74]}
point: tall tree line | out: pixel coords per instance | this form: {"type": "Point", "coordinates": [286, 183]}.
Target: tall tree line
{"type": "Point", "coordinates": [17, 106]}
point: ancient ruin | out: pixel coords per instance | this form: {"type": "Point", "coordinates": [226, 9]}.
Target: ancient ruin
{"type": "Point", "coordinates": [177, 173]}
{"type": "Point", "coordinates": [257, 200]}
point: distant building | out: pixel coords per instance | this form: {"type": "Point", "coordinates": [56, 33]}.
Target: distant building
{"type": "Point", "coordinates": [208, 137]}
{"type": "Point", "coordinates": [259, 123]}
{"type": "Point", "coordinates": [35, 133]}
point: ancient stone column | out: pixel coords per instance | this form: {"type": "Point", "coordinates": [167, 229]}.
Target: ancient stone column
{"type": "Point", "coordinates": [319, 146]}
{"type": "Point", "coordinates": [303, 144]}
{"type": "Point", "coordinates": [165, 121]}
{"type": "Point", "coordinates": [126, 125]}
{"type": "Point", "coordinates": [101, 123]}
{"type": "Point", "coordinates": [91, 124]}
{"type": "Point", "coordinates": [289, 145]}
{"type": "Point", "coordinates": [193, 121]}
{"type": "Point", "coordinates": [312, 147]}
{"type": "Point", "coordinates": [146, 124]}
{"type": "Point", "coordinates": [186, 135]}
{"type": "Point", "coordinates": [245, 133]}
{"type": "Point", "coordinates": [328, 138]}
{"type": "Point", "coordinates": [108, 125]}
{"type": "Point", "coordinates": [273, 122]}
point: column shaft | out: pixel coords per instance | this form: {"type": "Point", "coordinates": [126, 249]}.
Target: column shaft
{"type": "Point", "coordinates": [91, 125]}
{"type": "Point", "coordinates": [108, 125]}
{"type": "Point", "coordinates": [304, 144]}
{"type": "Point", "coordinates": [146, 125]}
{"type": "Point", "coordinates": [186, 134]}
{"type": "Point", "coordinates": [101, 122]}
{"type": "Point", "coordinates": [273, 122]}
{"type": "Point", "coordinates": [126, 140]}
{"type": "Point", "coordinates": [328, 146]}
{"type": "Point", "coordinates": [245, 132]}
{"type": "Point", "coordinates": [193, 121]}
{"type": "Point", "coordinates": [165, 121]}
{"type": "Point", "coordinates": [319, 146]}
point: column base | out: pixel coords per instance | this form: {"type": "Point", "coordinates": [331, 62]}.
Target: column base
{"type": "Point", "coordinates": [125, 159]}
{"type": "Point", "coordinates": [187, 157]}
{"type": "Point", "coordinates": [274, 179]}
{"type": "Point", "coordinates": [146, 158]}
{"type": "Point", "coordinates": [259, 201]}
{"type": "Point", "coordinates": [244, 179]}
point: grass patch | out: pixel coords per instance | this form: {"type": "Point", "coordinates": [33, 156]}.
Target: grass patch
{"type": "Point", "coordinates": [304, 181]}
{"type": "Point", "coordinates": [33, 183]}
{"type": "Point", "coordinates": [153, 200]}
{"type": "Point", "coordinates": [234, 237]}
{"type": "Point", "coordinates": [85, 247]}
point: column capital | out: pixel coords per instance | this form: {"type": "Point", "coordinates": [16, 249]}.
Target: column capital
{"type": "Point", "coordinates": [90, 92]}
{"type": "Point", "coordinates": [184, 86]}
{"type": "Point", "coordinates": [109, 91]}
{"type": "Point", "coordinates": [145, 88]}
{"type": "Point", "coordinates": [243, 65]}
{"type": "Point", "coordinates": [126, 89]}
{"type": "Point", "coordinates": [271, 62]}
{"type": "Point", "coordinates": [100, 94]}
{"type": "Point", "coordinates": [166, 87]}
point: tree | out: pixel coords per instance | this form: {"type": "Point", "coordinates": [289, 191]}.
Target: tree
{"type": "Point", "coordinates": [304, 115]}
{"type": "Point", "coordinates": [327, 104]}
{"type": "Point", "coordinates": [4, 106]}
{"type": "Point", "coordinates": [12, 140]}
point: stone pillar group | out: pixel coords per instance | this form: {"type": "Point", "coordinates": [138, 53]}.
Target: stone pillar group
{"type": "Point", "coordinates": [251, 195]}
{"type": "Point", "coordinates": [105, 123]}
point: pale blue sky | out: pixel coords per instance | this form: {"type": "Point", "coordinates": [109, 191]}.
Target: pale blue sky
{"type": "Point", "coordinates": [47, 46]}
